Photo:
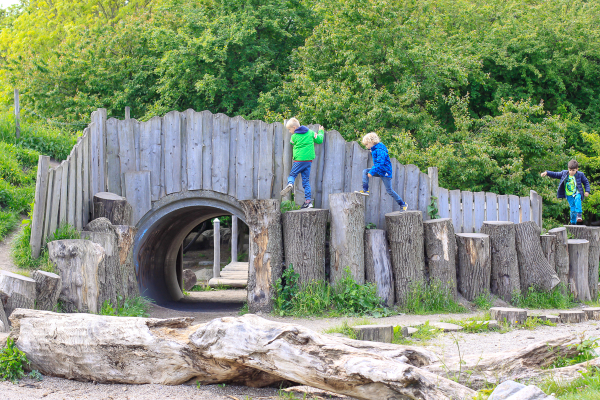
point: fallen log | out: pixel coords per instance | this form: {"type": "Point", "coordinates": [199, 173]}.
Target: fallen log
{"type": "Point", "coordinates": [378, 265]}
{"type": "Point", "coordinates": [534, 269]}
{"type": "Point", "coordinates": [504, 280]}
{"type": "Point", "coordinates": [47, 289]}
{"type": "Point", "coordinates": [248, 350]}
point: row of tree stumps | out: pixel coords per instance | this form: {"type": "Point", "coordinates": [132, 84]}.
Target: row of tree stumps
{"type": "Point", "coordinates": [504, 259]}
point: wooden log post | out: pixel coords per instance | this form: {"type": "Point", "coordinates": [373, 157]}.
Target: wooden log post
{"type": "Point", "coordinates": [265, 255]}
{"type": "Point", "coordinates": [592, 235]}
{"type": "Point", "coordinates": [578, 268]}
{"type": "Point", "coordinates": [505, 268]}
{"type": "Point", "coordinates": [548, 243]}
{"type": "Point", "coordinates": [510, 315]}
{"type": "Point", "coordinates": [534, 269]}
{"type": "Point", "coordinates": [374, 333]}
{"type": "Point", "coordinates": [346, 245]}
{"type": "Point", "coordinates": [113, 207]}
{"type": "Point", "coordinates": [47, 289]}
{"type": "Point", "coordinates": [405, 233]}
{"type": "Point", "coordinates": [378, 265]}
{"type": "Point", "coordinates": [4, 325]}
{"type": "Point", "coordinates": [440, 252]}
{"type": "Point", "coordinates": [561, 258]}
{"type": "Point", "coordinates": [572, 317]}
{"type": "Point", "coordinates": [39, 207]}
{"type": "Point", "coordinates": [20, 290]}
{"type": "Point", "coordinates": [474, 264]}
{"type": "Point", "coordinates": [217, 248]}
{"type": "Point", "coordinates": [304, 242]}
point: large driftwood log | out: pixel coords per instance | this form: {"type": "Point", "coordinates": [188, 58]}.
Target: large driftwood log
{"type": "Point", "coordinates": [113, 207]}
{"type": "Point", "coordinates": [592, 235]}
{"type": "Point", "coordinates": [378, 265]}
{"type": "Point", "coordinates": [20, 290]}
{"type": "Point", "coordinates": [578, 269]}
{"type": "Point", "coordinates": [248, 350]}
{"type": "Point", "coordinates": [405, 233]}
{"type": "Point", "coordinates": [440, 252]}
{"type": "Point", "coordinates": [78, 262]}
{"type": "Point", "coordinates": [548, 243]}
{"type": "Point", "coordinates": [47, 289]}
{"type": "Point", "coordinates": [504, 280]}
{"type": "Point", "coordinates": [561, 259]}
{"type": "Point", "coordinates": [266, 252]}
{"type": "Point", "coordinates": [534, 269]}
{"type": "Point", "coordinates": [474, 264]}
{"type": "Point", "coordinates": [304, 242]}
{"type": "Point", "coordinates": [346, 244]}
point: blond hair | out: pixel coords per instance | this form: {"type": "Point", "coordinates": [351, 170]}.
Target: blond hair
{"type": "Point", "coordinates": [292, 123]}
{"type": "Point", "coordinates": [370, 137]}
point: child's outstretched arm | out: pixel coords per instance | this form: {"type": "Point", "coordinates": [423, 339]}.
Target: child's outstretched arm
{"type": "Point", "coordinates": [555, 175]}
{"type": "Point", "coordinates": [319, 135]}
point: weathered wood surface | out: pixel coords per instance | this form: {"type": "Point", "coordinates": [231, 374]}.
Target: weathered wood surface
{"type": "Point", "coordinates": [174, 352]}
{"type": "Point", "coordinates": [578, 269]}
{"type": "Point", "coordinates": [534, 269]}
{"type": "Point", "coordinates": [474, 265]}
{"type": "Point", "coordinates": [263, 218]}
{"type": "Point", "coordinates": [346, 244]}
{"type": "Point", "coordinates": [424, 194]}
{"type": "Point", "coordinates": [440, 252]}
{"type": "Point", "coordinates": [20, 290]}
{"type": "Point", "coordinates": [62, 214]}
{"type": "Point", "coordinates": [172, 152]}
{"type": "Point", "coordinates": [510, 315]}
{"type": "Point", "coordinates": [86, 168]}
{"type": "Point", "coordinates": [592, 235]}
{"type": "Point", "coordinates": [378, 265]}
{"type": "Point", "coordinates": [4, 324]}
{"type": "Point", "coordinates": [405, 234]}
{"type": "Point", "coordinates": [112, 207]}
{"type": "Point", "coordinates": [79, 185]}
{"type": "Point", "coordinates": [39, 209]}
{"type": "Point", "coordinates": [127, 150]}
{"type": "Point", "coordinates": [47, 289]}
{"type": "Point", "coordinates": [513, 209]}
{"type": "Point", "coordinates": [138, 191]}
{"type": "Point", "coordinates": [151, 155]}
{"type": "Point", "coordinates": [478, 210]}
{"type": "Point", "coordinates": [491, 207]}
{"type": "Point", "coordinates": [549, 249]}
{"type": "Point", "coordinates": [456, 210]}
{"type": "Point", "coordinates": [245, 160]}
{"type": "Point", "coordinates": [56, 190]}
{"type": "Point", "coordinates": [503, 208]}
{"type": "Point", "coordinates": [48, 200]}
{"type": "Point", "coordinates": [443, 203]}
{"type": "Point", "coordinates": [374, 333]}
{"type": "Point", "coordinates": [113, 167]}
{"type": "Point", "coordinates": [411, 183]}
{"type": "Point", "coordinates": [505, 267]}
{"type": "Point", "coordinates": [467, 212]}
{"type": "Point", "coordinates": [572, 317]}
{"type": "Point", "coordinates": [525, 202]}
{"type": "Point", "coordinates": [304, 233]}
{"type": "Point", "coordinates": [72, 181]}
{"type": "Point", "coordinates": [562, 254]}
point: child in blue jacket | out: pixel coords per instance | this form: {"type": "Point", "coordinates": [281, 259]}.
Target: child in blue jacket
{"type": "Point", "coordinates": [571, 187]}
{"type": "Point", "coordinates": [382, 168]}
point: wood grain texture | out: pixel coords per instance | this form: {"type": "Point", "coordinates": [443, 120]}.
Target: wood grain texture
{"type": "Point", "coordinates": [86, 196]}
{"type": "Point", "coordinates": [39, 207]}
{"type": "Point", "coordinates": [113, 164]}
{"type": "Point", "coordinates": [443, 203]}
{"type": "Point", "coordinates": [562, 254]}
{"type": "Point", "coordinates": [346, 244]}
{"type": "Point", "coordinates": [48, 211]}
{"type": "Point", "coordinates": [424, 194]}
{"type": "Point", "coordinates": [79, 186]}
{"type": "Point", "coordinates": [378, 265]}
{"type": "Point", "coordinates": [474, 264]}
{"type": "Point", "coordinates": [592, 235]}
{"type": "Point", "coordinates": [503, 208]}
{"type": "Point", "coordinates": [514, 214]}
{"type": "Point", "coordinates": [193, 130]}
{"type": "Point", "coordinates": [56, 192]}
{"type": "Point", "coordinates": [440, 252]}
{"type": "Point", "coordinates": [220, 153]}
{"type": "Point", "coordinates": [399, 172]}
{"type": "Point", "coordinates": [71, 187]}
{"type": "Point", "coordinates": [535, 207]}
{"type": "Point", "coordinates": [478, 210]}
{"type": "Point", "coordinates": [63, 192]}
{"type": "Point", "coordinates": [456, 210]}
{"type": "Point", "coordinates": [265, 164]}
{"type": "Point", "coordinates": [467, 211]}
{"type": "Point", "coordinates": [491, 207]}
{"type": "Point", "coordinates": [151, 153]}
{"type": "Point", "coordinates": [334, 166]}
{"type": "Point", "coordinates": [245, 160]}
{"type": "Point", "coordinates": [172, 152]}
{"type": "Point", "coordinates": [126, 147]}
{"type": "Point", "coordinates": [278, 176]}
{"type": "Point", "coordinates": [233, 145]}
{"type": "Point", "coordinates": [411, 186]}
{"type": "Point", "coordinates": [505, 278]}
{"type": "Point", "coordinates": [578, 268]}
{"type": "Point", "coordinates": [184, 150]}
{"type": "Point", "coordinates": [138, 191]}
{"type": "Point", "coordinates": [525, 209]}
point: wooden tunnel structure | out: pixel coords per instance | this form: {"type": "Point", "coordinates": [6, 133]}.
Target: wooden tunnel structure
{"type": "Point", "coordinates": [185, 167]}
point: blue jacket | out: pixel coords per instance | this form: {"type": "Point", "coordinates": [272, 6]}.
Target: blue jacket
{"type": "Point", "coordinates": [563, 175]}
{"type": "Point", "coordinates": [382, 166]}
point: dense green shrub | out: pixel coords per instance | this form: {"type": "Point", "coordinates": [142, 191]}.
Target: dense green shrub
{"type": "Point", "coordinates": [8, 221]}
{"type": "Point", "coordinates": [430, 298]}
{"type": "Point", "coordinates": [559, 297]}
{"type": "Point", "coordinates": [137, 306]}
{"type": "Point", "coordinates": [12, 362]}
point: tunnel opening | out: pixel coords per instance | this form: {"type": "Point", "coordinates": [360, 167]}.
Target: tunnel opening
{"type": "Point", "coordinates": [158, 246]}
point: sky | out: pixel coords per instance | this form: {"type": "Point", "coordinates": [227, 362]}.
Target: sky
{"type": "Point", "coordinates": [6, 3]}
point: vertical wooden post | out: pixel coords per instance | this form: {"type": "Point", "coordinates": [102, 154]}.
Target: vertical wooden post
{"type": "Point", "coordinates": [217, 256]}
{"type": "Point", "coordinates": [17, 115]}
{"type": "Point", "coordinates": [127, 112]}
{"type": "Point", "coordinates": [234, 238]}
{"type": "Point", "coordinates": [39, 206]}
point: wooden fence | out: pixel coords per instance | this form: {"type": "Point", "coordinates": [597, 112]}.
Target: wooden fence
{"type": "Point", "coordinates": [185, 151]}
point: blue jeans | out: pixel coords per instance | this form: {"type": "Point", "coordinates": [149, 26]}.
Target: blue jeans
{"type": "Point", "coordinates": [387, 182]}
{"type": "Point", "coordinates": [301, 167]}
{"type": "Point", "coordinates": [575, 205]}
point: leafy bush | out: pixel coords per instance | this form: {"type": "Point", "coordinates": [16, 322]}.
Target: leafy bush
{"type": "Point", "coordinates": [18, 199]}
{"type": "Point", "coordinates": [430, 298]}
{"type": "Point", "coordinates": [484, 301]}
{"type": "Point", "coordinates": [559, 297]}
{"type": "Point", "coordinates": [137, 306]}
{"type": "Point", "coordinates": [586, 350]}
{"type": "Point", "coordinates": [288, 205]}
{"type": "Point", "coordinates": [350, 297]}
{"type": "Point", "coordinates": [8, 221]}
{"type": "Point", "coordinates": [12, 362]}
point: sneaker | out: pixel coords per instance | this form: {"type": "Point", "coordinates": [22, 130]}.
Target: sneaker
{"type": "Point", "coordinates": [404, 207]}
{"type": "Point", "coordinates": [286, 189]}
{"type": "Point", "coordinates": [362, 192]}
{"type": "Point", "coordinates": [307, 204]}
{"type": "Point", "coordinates": [579, 219]}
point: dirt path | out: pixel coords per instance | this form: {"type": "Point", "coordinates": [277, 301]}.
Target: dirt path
{"type": "Point", "coordinates": [6, 262]}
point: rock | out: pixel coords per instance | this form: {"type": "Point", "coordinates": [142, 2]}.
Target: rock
{"type": "Point", "coordinates": [408, 331]}
{"type": "Point", "coordinates": [446, 327]}
{"type": "Point", "coordinates": [511, 390]}
{"type": "Point", "coordinates": [3, 337]}
{"type": "Point", "coordinates": [374, 333]}
{"type": "Point", "coordinates": [189, 279]}
{"type": "Point", "coordinates": [204, 274]}
{"type": "Point", "coordinates": [572, 316]}
{"type": "Point", "coordinates": [506, 389]}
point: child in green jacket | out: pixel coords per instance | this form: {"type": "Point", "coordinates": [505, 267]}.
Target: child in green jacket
{"type": "Point", "coordinates": [303, 140]}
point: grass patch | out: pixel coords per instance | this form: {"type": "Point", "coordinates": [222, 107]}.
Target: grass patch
{"type": "Point", "coordinates": [424, 334]}
{"type": "Point", "coordinates": [8, 222]}
{"type": "Point", "coordinates": [586, 387]}
{"type": "Point", "coordinates": [559, 297]}
{"type": "Point", "coordinates": [346, 328]}
{"type": "Point", "coordinates": [586, 350]}
{"type": "Point", "coordinates": [137, 306]}
{"type": "Point", "coordinates": [484, 301]}
{"type": "Point", "coordinates": [288, 205]}
{"type": "Point", "coordinates": [318, 298]}
{"type": "Point", "coordinates": [477, 324]}
{"type": "Point", "coordinates": [433, 298]}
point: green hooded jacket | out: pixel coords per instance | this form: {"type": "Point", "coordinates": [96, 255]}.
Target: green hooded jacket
{"type": "Point", "coordinates": [304, 141]}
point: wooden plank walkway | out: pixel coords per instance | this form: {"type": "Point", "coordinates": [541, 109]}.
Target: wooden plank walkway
{"type": "Point", "coordinates": [234, 274]}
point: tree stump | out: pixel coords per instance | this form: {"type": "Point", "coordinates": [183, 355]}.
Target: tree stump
{"type": "Point", "coordinates": [47, 289]}
{"type": "Point", "coordinates": [346, 245]}
{"type": "Point", "coordinates": [592, 313]}
{"type": "Point", "coordinates": [78, 263]}
{"type": "Point", "coordinates": [304, 242]}
{"type": "Point", "coordinates": [510, 315]}
{"type": "Point", "coordinates": [534, 269]}
{"type": "Point", "coordinates": [592, 235]}
{"type": "Point", "coordinates": [440, 252]}
{"type": "Point", "coordinates": [189, 279]}
{"type": "Point", "coordinates": [504, 280]}
{"type": "Point", "coordinates": [374, 333]}
{"type": "Point", "coordinates": [548, 243]}
{"type": "Point", "coordinates": [578, 269]}
{"type": "Point", "coordinates": [266, 252]}
{"type": "Point", "coordinates": [474, 264]}
{"type": "Point", "coordinates": [405, 233]}
{"type": "Point", "coordinates": [378, 265]}
{"type": "Point", "coordinates": [20, 290]}
{"type": "Point", "coordinates": [561, 258]}
{"type": "Point", "coordinates": [572, 317]}
{"type": "Point", "coordinates": [113, 207]}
